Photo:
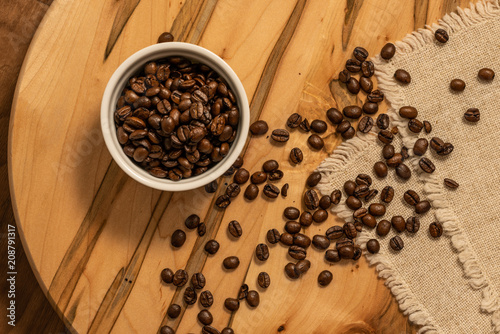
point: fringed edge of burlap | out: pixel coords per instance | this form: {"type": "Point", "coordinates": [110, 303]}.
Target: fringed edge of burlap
{"type": "Point", "coordinates": [452, 23]}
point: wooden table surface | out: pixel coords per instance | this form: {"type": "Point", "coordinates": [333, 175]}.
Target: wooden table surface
{"type": "Point", "coordinates": [97, 240]}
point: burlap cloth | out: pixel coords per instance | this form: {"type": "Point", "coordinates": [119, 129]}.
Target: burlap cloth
{"type": "Point", "coordinates": [451, 284]}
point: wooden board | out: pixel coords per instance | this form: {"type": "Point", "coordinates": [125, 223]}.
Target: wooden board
{"type": "Point", "coordinates": [97, 240]}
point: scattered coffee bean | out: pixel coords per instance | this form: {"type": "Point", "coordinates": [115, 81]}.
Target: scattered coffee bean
{"type": "Point", "coordinates": [173, 311]}
{"type": "Point", "coordinates": [206, 299]}
{"type": "Point", "coordinates": [437, 144]}
{"type": "Point", "coordinates": [441, 36]}
{"type": "Point", "coordinates": [411, 197]}
{"type": "Point", "coordinates": [412, 224]}
{"type": "Point", "coordinates": [259, 128]}
{"type": "Point", "coordinates": [388, 51]}
{"type": "Point", "coordinates": [202, 229]}
{"type": "Point", "coordinates": [344, 76]}
{"type": "Point", "coordinates": [167, 275]}
{"type": "Point", "coordinates": [318, 126]}
{"type": "Point", "coordinates": [364, 179]}
{"type": "Point", "coordinates": [457, 85]}
{"type": "Point", "coordinates": [472, 115]}
{"type": "Point", "coordinates": [313, 179]}
{"type": "Point", "coordinates": [296, 252]}
{"type": "Point", "coordinates": [296, 155]}
{"type": "Point", "coordinates": [426, 165]}
{"type": "Point", "coordinates": [380, 169]}
{"type": "Point", "coordinates": [353, 203]}
{"type": "Point", "coordinates": [427, 127]}
{"type": "Point", "coordinates": [375, 96]}
{"type": "Point", "coordinates": [354, 112]}
{"type": "Point", "coordinates": [270, 166]}
{"type": "Point", "coordinates": [180, 278]}
{"type": "Point", "coordinates": [325, 278]}
{"type": "Point", "coordinates": [452, 184]}
{"type": "Point", "coordinates": [302, 267]}
{"type": "Point", "coordinates": [486, 74]}
{"type": "Point", "coordinates": [436, 229]}
{"type": "Point", "coordinates": [370, 108]}
{"type": "Point", "coordinates": [241, 176]}
{"type": "Point", "coordinates": [366, 84]}
{"type": "Point", "coordinates": [415, 125]}
{"type": "Point", "coordinates": [234, 228]}
{"type": "Point", "coordinates": [166, 329]}
{"type": "Point", "coordinates": [357, 253]}
{"type": "Point", "coordinates": [349, 231]}
{"type": "Point", "coordinates": [403, 171]}
{"type": "Point", "coordinates": [376, 209]}
{"type": "Point", "coordinates": [369, 220]}
{"type": "Point", "coordinates": [408, 112]}
{"type": "Point", "coordinates": [396, 243]}
{"type": "Point", "coordinates": [359, 213]}
{"type": "Point", "coordinates": [165, 37]}
{"type": "Point", "coordinates": [251, 192]}
{"type": "Point", "coordinates": [192, 222]}
{"type": "Point", "coordinates": [207, 329]}
{"type": "Point", "coordinates": [205, 317]}
{"type": "Point", "coordinates": [353, 86]}
{"type": "Point", "coordinates": [334, 116]}
{"type": "Point", "coordinates": [353, 65]}
{"type": "Point", "coordinates": [211, 247]}
{"type": "Point", "coordinates": [402, 76]}
{"type": "Point", "coordinates": [395, 161]}
{"type": "Point", "coordinates": [280, 135]}
{"type": "Point", "coordinates": [447, 149]}
{"type": "Point", "coordinates": [398, 223]}
{"type": "Point", "coordinates": [387, 194]}
{"type": "Point", "coordinates": [344, 242]}
{"type": "Point", "coordinates": [243, 292]}
{"type": "Point", "coordinates": [290, 271]}
{"type": "Point", "coordinates": [264, 280]}
{"type": "Point", "coordinates": [371, 195]}
{"type": "Point", "coordinates": [385, 136]}
{"type": "Point", "coordinates": [292, 227]}
{"type": "Point", "coordinates": [233, 190]}
{"type": "Point", "coordinates": [325, 202]}
{"type": "Point", "coordinates": [336, 196]}
{"type": "Point", "coordinates": [332, 255]}
{"type": "Point", "coordinates": [320, 215]}
{"type": "Point", "coordinates": [383, 227]}
{"type": "Point", "coordinates": [334, 232]}
{"type": "Point", "coordinates": [361, 191]}
{"type": "Point", "coordinates": [273, 236]}
{"type": "Point", "coordinates": [315, 142]}
{"type": "Point", "coordinates": [360, 53]}
{"type": "Point", "coordinates": [420, 146]}
{"type": "Point", "coordinates": [367, 68]}
{"type": "Point", "coordinates": [227, 330]}
{"type": "Point", "coordinates": [349, 132]}
{"type": "Point", "coordinates": [232, 304]}
{"type": "Point", "coordinates": [198, 281]}
{"type": "Point", "coordinates": [311, 199]}
{"type": "Point", "coordinates": [211, 187]}
{"type": "Point", "coordinates": [231, 262]}
{"type": "Point", "coordinates": [306, 219]}
{"type": "Point", "coordinates": [365, 124]}
{"type": "Point", "coordinates": [262, 251]}
{"type": "Point", "coordinates": [294, 121]}
{"type": "Point", "coordinates": [258, 177]}
{"type": "Point", "coordinates": [230, 171]}
{"type": "Point", "coordinates": [271, 191]}
{"type": "Point", "coordinates": [304, 126]}
{"type": "Point", "coordinates": [301, 240]}
{"type": "Point", "coordinates": [320, 241]}
{"type": "Point", "coordinates": [388, 151]}
{"type": "Point", "coordinates": [372, 246]}
{"type": "Point", "coordinates": [223, 201]}
{"type": "Point", "coordinates": [253, 298]}
{"type": "Point", "coordinates": [383, 123]}
{"type": "Point", "coordinates": [178, 238]}
{"type": "Point", "coordinates": [422, 207]}
{"type": "Point", "coordinates": [238, 162]}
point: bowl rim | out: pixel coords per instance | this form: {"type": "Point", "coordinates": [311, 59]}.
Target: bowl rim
{"type": "Point", "coordinates": [129, 67]}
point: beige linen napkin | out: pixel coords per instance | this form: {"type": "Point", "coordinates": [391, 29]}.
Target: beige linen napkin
{"type": "Point", "coordinates": [451, 284]}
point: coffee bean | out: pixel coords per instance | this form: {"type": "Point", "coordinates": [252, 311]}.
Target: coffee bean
{"type": "Point", "coordinates": [294, 121]}
{"type": "Point", "coordinates": [375, 96]}
{"type": "Point", "coordinates": [207, 329]}
{"type": "Point", "coordinates": [402, 76]}
{"type": "Point", "coordinates": [296, 252]}
{"type": "Point", "coordinates": [251, 192]}
{"type": "Point", "coordinates": [388, 151]}
{"type": "Point", "coordinates": [198, 281]}
{"type": "Point", "coordinates": [271, 191]}
{"type": "Point", "coordinates": [262, 251]}
{"type": "Point", "coordinates": [233, 190]}
{"type": "Point", "coordinates": [353, 203]}
{"type": "Point", "coordinates": [223, 201]}
{"type": "Point", "coordinates": [165, 37]}
{"type": "Point", "coordinates": [371, 195]}
{"type": "Point", "coordinates": [211, 187]}
{"type": "Point", "coordinates": [365, 124]}
{"type": "Point", "coordinates": [241, 176]}
{"type": "Point", "coordinates": [396, 243]}
{"type": "Point", "coordinates": [227, 330]}
{"type": "Point", "coordinates": [334, 232]}
{"type": "Point", "coordinates": [304, 126]}
{"type": "Point", "coordinates": [315, 142]}
{"type": "Point", "coordinates": [174, 311]}
{"type": "Point", "coordinates": [318, 126]}
{"type": "Point", "coordinates": [264, 280]}
{"type": "Point", "coordinates": [472, 115]}
{"type": "Point", "coordinates": [202, 229]}
{"type": "Point", "coordinates": [325, 278]}
{"type": "Point", "coordinates": [408, 112]}
{"type": "Point", "coordinates": [436, 229]}
{"type": "Point", "coordinates": [166, 330]}
{"type": "Point", "coordinates": [361, 191]}
{"type": "Point", "coordinates": [313, 179]}
{"type": "Point", "coordinates": [372, 246]}
{"type": "Point", "coordinates": [403, 171]}
{"type": "Point", "coordinates": [332, 255]}
{"type": "Point", "coordinates": [320, 241]}
{"type": "Point", "coordinates": [452, 184]}
{"type": "Point", "coordinates": [280, 135]}
{"type": "Point", "coordinates": [320, 216]}
{"type": "Point", "coordinates": [364, 179]}
{"type": "Point", "coordinates": [301, 240]}
{"type": "Point", "coordinates": [206, 299]}
{"type": "Point", "coordinates": [349, 133]}
{"type": "Point", "coordinates": [353, 86]}
{"type": "Point", "coordinates": [259, 128]}
{"type": "Point", "coordinates": [232, 304]}
{"type": "Point", "coordinates": [486, 74]}
{"type": "Point", "coordinates": [420, 146]}
{"type": "Point", "coordinates": [178, 238]}
{"type": "Point", "coordinates": [447, 149]}
{"type": "Point", "coordinates": [380, 169]}
{"type": "Point", "coordinates": [383, 227]}
{"type": "Point", "coordinates": [231, 262]}
{"type": "Point", "coordinates": [395, 161]}
{"type": "Point", "coordinates": [243, 292]}
{"type": "Point", "coordinates": [291, 213]}
{"type": "Point", "coordinates": [385, 136]}
{"type": "Point", "coordinates": [290, 271]}
{"type": "Point", "coordinates": [349, 231]}
{"type": "Point", "coordinates": [367, 68]}
{"type": "Point", "coordinates": [360, 53]}
{"type": "Point", "coordinates": [352, 112]}
{"type": "Point", "coordinates": [180, 278]}
{"type": "Point", "coordinates": [234, 228]}
{"type": "Point", "coordinates": [383, 122]}
{"type": "Point", "coordinates": [292, 227]}
{"type": "Point", "coordinates": [258, 177]}
{"type": "Point", "coordinates": [276, 175]}
{"type": "Point", "coordinates": [344, 76]}
{"type": "Point", "coordinates": [167, 275]}
{"type": "Point", "coordinates": [370, 108]}
{"type": "Point", "coordinates": [253, 298]}
{"type": "Point", "coordinates": [366, 84]}
{"type": "Point", "coordinates": [415, 125]}
{"type": "Point", "coordinates": [398, 223]}
{"type": "Point", "coordinates": [192, 221]}
{"type": "Point", "coordinates": [343, 243]}
{"type": "Point", "coordinates": [336, 196]}
{"type": "Point", "coordinates": [346, 252]}
{"type": "Point", "coordinates": [353, 65]}
{"type": "Point", "coordinates": [437, 144]}
{"type": "Point", "coordinates": [457, 85]}
{"type": "Point", "coordinates": [412, 224]}
{"type": "Point", "coordinates": [343, 127]}
{"type": "Point", "coordinates": [422, 207]}
{"type": "Point", "coordinates": [302, 267]}
{"type": "Point", "coordinates": [376, 209]}
{"type": "Point", "coordinates": [441, 36]}
{"type": "Point", "coordinates": [211, 247]}
{"type": "Point", "coordinates": [334, 116]}
{"type": "Point", "coordinates": [273, 236]}
{"type": "Point", "coordinates": [411, 197]}
{"type": "Point", "coordinates": [369, 220]}
{"type": "Point", "coordinates": [205, 317]}
{"type": "Point", "coordinates": [306, 219]}
{"type": "Point", "coordinates": [325, 202]}
{"type": "Point", "coordinates": [426, 165]}
{"type": "Point", "coordinates": [388, 51]}
{"type": "Point", "coordinates": [311, 199]}
{"type": "Point", "coordinates": [270, 166]}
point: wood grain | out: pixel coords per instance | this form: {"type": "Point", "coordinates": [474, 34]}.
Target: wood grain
{"type": "Point", "coordinates": [96, 210]}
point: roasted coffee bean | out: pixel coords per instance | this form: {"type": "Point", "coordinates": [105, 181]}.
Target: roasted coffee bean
{"type": "Point", "coordinates": [420, 146]}
{"type": "Point", "coordinates": [388, 51]}
{"type": "Point", "coordinates": [334, 116]}
{"type": "Point", "coordinates": [422, 207]}
{"type": "Point", "coordinates": [370, 108]}
{"type": "Point", "coordinates": [302, 267]}
{"type": "Point", "coordinates": [270, 166]}
{"type": "Point", "coordinates": [346, 252]}
{"type": "Point", "coordinates": [241, 176]}
{"type": "Point", "coordinates": [408, 112]}
{"type": "Point", "coordinates": [344, 76]}
{"type": "Point", "coordinates": [273, 236]}
{"type": "Point", "coordinates": [457, 85]}
{"type": "Point", "coordinates": [385, 136]}
{"type": "Point", "coordinates": [437, 144]}
{"type": "Point", "coordinates": [441, 36]}
{"type": "Point", "coordinates": [206, 299]}
{"type": "Point", "coordinates": [344, 242]}
{"type": "Point", "coordinates": [366, 124]}
{"type": "Point", "coordinates": [306, 219]}
{"type": "Point", "coordinates": [336, 196]}
{"type": "Point", "coordinates": [349, 133]}
{"type": "Point", "coordinates": [207, 329]}
{"type": "Point", "coordinates": [396, 243]}
{"type": "Point", "coordinates": [426, 165]}
{"type": "Point", "coordinates": [238, 163]}
{"type": "Point", "coordinates": [402, 76]}
{"type": "Point", "coordinates": [436, 229]}
{"type": "Point", "coordinates": [180, 278]}
{"type": "Point", "coordinates": [394, 130]}
{"type": "Point", "coordinates": [452, 184]}
{"type": "Point", "coordinates": [301, 240]}
{"type": "Point", "coordinates": [231, 262]}
{"type": "Point", "coordinates": [233, 190]}
{"type": "Point", "coordinates": [403, 171]}
{"type": "Point", "coordinates": [320, 215]}
{"type": "Point", "coordinates": [294, 121]}
{"type": "Point", "coordinates": [296, 252]}
{"type": "Point", "coordinates": [349, 187]}
{"type": "Point", "coordinates": [205, 317]}
{"type": "Point", "coordinates": [178, 238]}
{"type": "Point", "coordinates": [315, 142]}
{"type": "Point", "coordinates": [325, 202]}
{"type": "Point", "coordinates": [357, 253]}
{"type": "Point", "coordinates": [369, 220]}
{"type": "Point", "coordinates": [202, 229]}
{"type": "Point", "coordinates": [380, 169]}
{"type": "Point", "coordinates": [235, 229]}
{"type": "Point", "coordinates": [211, 187]}
{"type": "Point", "coordinates": [227, 330]}
{"type": "Point", "coordinates": [352, 112]}
{"type": "Point", "coordinates": [383, 227]}
{"type": "Point", "coordinates": [253, 298]}
{"type": "Point", "coordinates": [318, 126]}
{"type": "Point", "coordinates": [447, 149]}
{"type": "Point", "coordinates": [211, 247]}
{"type": "Point", "coordinates": [361, 191]}
{"type": "Point", "coordinates": [320, 241]}
{"type": "Point", "coordinates": [280, 135]}
{"type": "Point", "coordinates": [167, 275]}
{"type": "Point", "coordinates": [367, 68]}
{"type": "Point", "coordinates": [264, 280]}
{"type": "Point", "coordinates": [412, 224]}
{"type": "Point", "coordinates": [415, 125]}
{"type": "Point", "coordinates": [366, 84]}
{"type": "Point", "coordinates": [166, 330]}
{"type": "Point", "coordinates": [262, 252]}
{"type": "Point", "coordinates": [296, 155]}
{"type": "Point", "coordinates": [286, 239]}
{"type": "Point", "coordinates": [290, 271]}
{"type": "Point", "coordinates": [427, 127]}
{"type": "Point", "coordinates": [373, 246]}
{"type": "Point", "coordinates": [291, 213]}
{"type": "Point", "coordinates": [353, 65]}
{"type": "Point", "coordinates": [223, 201]}
{"type": "Point", "coordinates": [165, 37]}
{"type": "Point", "coordinates": [376, 209]}
{"type": "Point", "coordinates": [276, 175]}
{"type": "Point", "coordinates": [173, 311]}
{"type": "Point", "coordinates": [388, 151]}
{"type": "Point", "coordinates": [304, 126]}
{"type": "Point", "coordinates": [353, 86]}
{"type": "Point", "coordinates": [371, 194]}
{"type": "Point", "coordinates": [353, 203]}
{"type": "Point", "coordinates": [192, 222]}
{"type": "Point", "coordinates": [334, 232]}
{"type": "Point", "coordinates": [486, 74]}
{"type": "Point", "coordinates": [343, 127]}
{"type": "Point", "coordinates": [375, 96]}
{"type": "Point", "coordinates": [259, 128]}
{"type": "Point", "coordinates": [198, 281]}
{"type": "Point", "coordinates": [271, 191]}
{"type": "Point", "coordinates": [232, 304]}
{"type": "Point", "coordinates": [383, 124]}
{"type": "Point", "coordinates": [258, 177]}
{"type": "Point", "coordinates": [243, 292]}
{"type": "Point", "coordinates": [313, 179]}
{"type": "Point", "coordinates": [398, 223]}
{"type": "Point", "coordinates": [411, 197]}
{"type": "Point", "coordinates": [332, 255]}
{"type": "Point", "coordinates": [364, 179]}
{"type": "Point", "coordinates": [251, 192]}
{"type": "Point", "coordinates": [292, 227]}
{"type": "Point", "coordinates": [349, 231]}
{"type": "Point", "coordinates": [311, 199]}
{"type": "Point", "coordinates": [360, 53]}
{"type": "Point", "coordinates": [472, 115]}
{"type": "Point", "coordinates": [325, 278]}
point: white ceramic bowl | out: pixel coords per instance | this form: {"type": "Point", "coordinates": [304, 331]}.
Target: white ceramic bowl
{"type": "Point", "coordinates": [129, 68]}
